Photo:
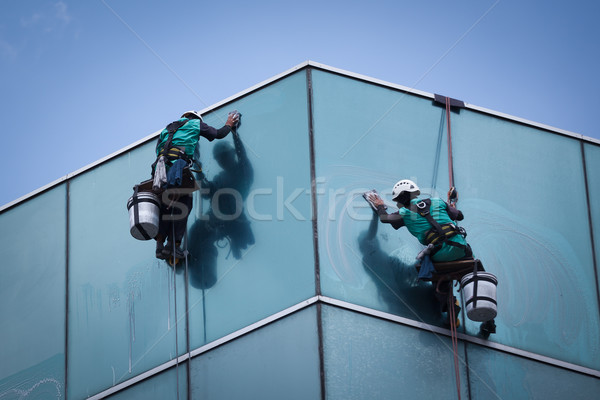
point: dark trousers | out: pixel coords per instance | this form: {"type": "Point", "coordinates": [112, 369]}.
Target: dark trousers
{"type": "Point", "coordinates": [442, 292]}
{"type": "Point", "coordinates": [175, 210]}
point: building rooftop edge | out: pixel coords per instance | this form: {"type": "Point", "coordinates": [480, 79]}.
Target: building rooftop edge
{"type": "Point", "coordinates": [281, 75]}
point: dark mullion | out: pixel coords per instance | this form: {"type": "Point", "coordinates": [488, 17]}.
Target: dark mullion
{"type": "Point", "coordinates": [313, 191]}
{"type": "Point", "coordinates": [590, 222]}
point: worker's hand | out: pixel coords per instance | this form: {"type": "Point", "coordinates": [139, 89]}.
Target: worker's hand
{"type": "Point", "coordinates": [232, 119]}
{"type": "Point", "coordinates": [376, 200]}
{"type": "Point", "coordinates": [452, 195]}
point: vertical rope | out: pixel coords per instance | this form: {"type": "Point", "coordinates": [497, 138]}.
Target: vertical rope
{"type": "Point", "coordinates": [67, 285]}
{"type": "Point", "coordinates": [451, 310]}
{"type": "Point", "coordinates": [187, 319]}
{"type": "Point", "coordinates": [438, 152]}
{"type": "Point", "coordinates": [450, 163]}
{"type": "Point", "coordinates": [175, 302]}
{"type": "Point", "coordinates": [452, 317]}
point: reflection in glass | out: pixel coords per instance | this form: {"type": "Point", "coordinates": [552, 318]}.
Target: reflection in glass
{"type": "Point", "coordinates": [395, 278]}
{"type": "Point", "coordinates": [250, 236]}
{"type": "Point", "coordinates": [367, 137]}
{"type": "Point", "coordinates": [225, 223]}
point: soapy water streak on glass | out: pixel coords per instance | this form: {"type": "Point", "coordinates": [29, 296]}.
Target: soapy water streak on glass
{"type": "Point", "coordinates": [134, 292]}
{"type": "Point", "coordinates": [341, 214]}
{"type": "Point", "coordinates": [25, 393]}
{"type": "Point", "coordinates": [535, 269]}
{"type": "Point", "coordinates": [91, 300]}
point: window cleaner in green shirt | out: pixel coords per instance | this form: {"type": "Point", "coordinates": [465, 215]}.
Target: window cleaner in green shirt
{"type": "Point", "coordinates": [175, 151]}
{"type": "Point", "coordinates": [431, 221]}
{"type": "Point", "coordinates": [449, 243]}
{"type": "Point", "coordinates": [452, 246]}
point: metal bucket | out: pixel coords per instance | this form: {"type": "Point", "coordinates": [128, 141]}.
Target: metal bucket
{"type": "Point", "coordinates": [479, 290]}
{"type": "Point", "coordinates": [144, 215]}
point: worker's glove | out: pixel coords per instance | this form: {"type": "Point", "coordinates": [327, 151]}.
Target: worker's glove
{"type": "Point", "coordinates": [373, 199]}
{"type": "Point", "coordinates": [233, 119]}
{"type": "Point", "coordinates": [452, 195]}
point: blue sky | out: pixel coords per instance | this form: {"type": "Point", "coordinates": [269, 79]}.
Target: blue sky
{"type": "Point", "coordinates": [82, 79]}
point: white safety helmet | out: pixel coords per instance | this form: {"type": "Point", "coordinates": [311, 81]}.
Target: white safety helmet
{"type": "Point", "coordinates": [405, 185]}
{"type": "Point", "coordinates": [192, 113]}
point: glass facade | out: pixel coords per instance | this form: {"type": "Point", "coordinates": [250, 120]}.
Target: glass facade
{"type": "Point", "coordinates": [366, 358]}
{"type": "Point", "coordinates": [32, 300]}
{"type": "Point", "coordinates": [158, 387]}
{"type": "Point", "coordinates": [536, 242]}
{"type": "Point", "coordinates": [121, 299]}
{"type": "Point", "coordinates": [279, 361]}
{"type": "Point", "coordinates": [369, 137]}
{"type": "Point", "coordinates": [499, 375]}
{"type": "Point", "coordinates": [277, 301]}
{"type": "Point", "coordinates": [592, 159]}
{"type": "Point", "coordinates": [254, 259]}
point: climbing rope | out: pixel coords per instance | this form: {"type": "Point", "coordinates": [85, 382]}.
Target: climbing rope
{"type": "Point", "coordinates": [175, 302]}
{"type": "Point", "coordinates": [453, 331]}
{"type": "Point", "coordinates": [451, 310]}
{"type": "Point", "coordinates": [450, 166]}
{"type": "Point", "coordinates": [187, 336]}
{"type": "Point", "coordinates": [438, 152]}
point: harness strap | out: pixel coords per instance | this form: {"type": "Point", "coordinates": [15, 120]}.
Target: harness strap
{"type": "Point", "coordinates": [433, 236]}
{"type": "Point", "coordinates": [422, 208]}
{"type": "Point", "coordinates": [174, 153]}
{"type": "Point", "coordinates": [171, 153]}
{"type": "Point", "coordinates": [171, 129]}
{"type": "Point", "coordinates": [439, 233]}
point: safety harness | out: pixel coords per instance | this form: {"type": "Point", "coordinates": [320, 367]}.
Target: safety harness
{"type": "Point", "coordinates": [172, 153]}
{"type": "Point", "coordinates": [439, 233]}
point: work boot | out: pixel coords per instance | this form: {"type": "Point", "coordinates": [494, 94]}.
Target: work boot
{"type": "Point", "coordinates": [487, 328]}
{"type": "Point", "coordinates": [456, 312]}
{"type": "Point", "coordinates": [160, 248]}
{"type": "Point", "coordinates": [168, 251]}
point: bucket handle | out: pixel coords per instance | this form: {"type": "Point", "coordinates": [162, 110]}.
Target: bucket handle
{"type": "Point", "coordinates": [475, 282]}
{"type": "Point", "coordinates": [475, 269]}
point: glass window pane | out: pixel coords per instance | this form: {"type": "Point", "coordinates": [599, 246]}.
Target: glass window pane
{"type": "Point", "coordinates": [158, 387]}
{"type": "Point", "coordinates": [278, 361]}
{"type": "Point", "coordinates": [369, 137]}
{"type": "Point", "coordinates": [497, 375]}
{"type": "Point", "coordinates": [541, 254]}
{"type": "Point", "coordinates": [32, 297]}
{"type": "Point", "coordinates": [523, 195]}
{"type": "Point", "coordinates": [251, 238]}
{"type": "Point", "coordinates": [369, 358]}
{"type": "Point", "coordinates": [592, 158]}
{"type": "Point", "coordinates": [121, 298]}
